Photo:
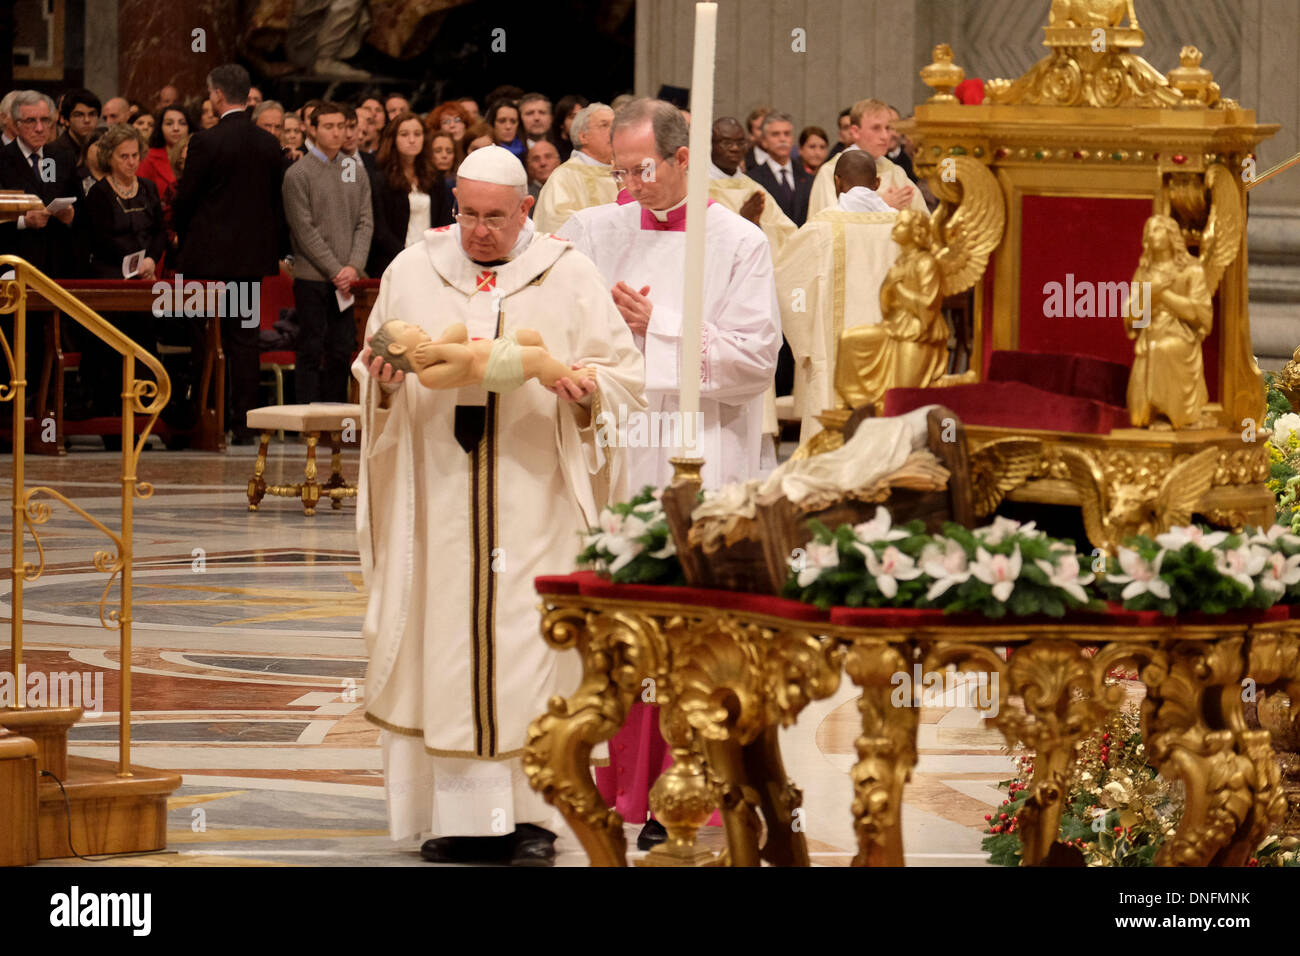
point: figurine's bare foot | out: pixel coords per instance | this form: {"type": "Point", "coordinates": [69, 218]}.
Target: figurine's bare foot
{"type": "Point", "coordinates": [1160, 425]}
{"type": "Point", "coordinates": [454, 333]}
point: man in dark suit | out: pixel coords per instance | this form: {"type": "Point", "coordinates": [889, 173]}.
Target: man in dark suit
{"type": "Point", "coordinates": [46, 240]}
{"type": "Point", "coordinates": [229, 217]}
{"type": "Point", "coordinates": [788, 182]}
{"type": "Point", "coordinates": [79, 113]}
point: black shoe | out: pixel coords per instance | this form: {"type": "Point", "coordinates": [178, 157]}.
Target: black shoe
{"type": "Point", "coordinates": [651, 835]}
{"type": "Point", "coordinates": [111, 442]}
{"type": "Point", "coordinates": [534, 846]}
{"type": "Point", "coordinates": [468, 849]}
{"type": "Point", "coordinates": [242, 438]}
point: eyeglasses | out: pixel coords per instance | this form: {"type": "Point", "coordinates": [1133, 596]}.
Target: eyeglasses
{"type": "Point", "coordinates": [34, 121]}
{"type": "Point", "coordinates": [470, 222]}
{"type": "Point", "coordinates": [452, 121]}
{"type": "Point", "coordinates": [643, 171]}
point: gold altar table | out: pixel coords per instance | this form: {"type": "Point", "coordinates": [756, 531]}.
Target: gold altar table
{"type": "Point", "coordinates": [729, 669]}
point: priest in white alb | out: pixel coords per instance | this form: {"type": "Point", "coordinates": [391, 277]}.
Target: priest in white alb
{"type": "Point", "coordinates": [828, 279]}
{"type": "Point", "coordinates": [583, 180]}
{"type": "Point", "coordinates": [869, 125]}
{"type": "Point", "coordinates": [465, 496]}
{"type": "Point", "coordinates": [640, 249]}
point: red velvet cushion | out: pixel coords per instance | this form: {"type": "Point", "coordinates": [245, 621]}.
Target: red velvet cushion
{"type": "Point", "coordinates": [1012, 405]}
{"type": "Point", "coordinates": [1278, 612]}
{"type": "Point", "coordinates": [558, 583]}
{"type": "Point", "coordinates": [1081, 376]}
{"type": "Point", "coordinates": [279, 358]}
{"type": "Point", "coordinates": [590, 584]}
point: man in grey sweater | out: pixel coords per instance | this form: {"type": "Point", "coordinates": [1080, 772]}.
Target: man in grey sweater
{"type": "Point", "coordinates": [327, 204]}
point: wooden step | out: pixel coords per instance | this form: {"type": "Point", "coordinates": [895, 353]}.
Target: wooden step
{"type": "Point", "coordinates": [110, 814]}
{"type": "Point", "coordinates": [48, 726]}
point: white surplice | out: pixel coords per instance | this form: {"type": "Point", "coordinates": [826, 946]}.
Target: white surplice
{"type": "Point", "coordinates": [891, 175]}
{"type": "Point", "coordinates": [451, 541]}
{"type": "Point", "coordinates": [577, 183]}
{"type": "Point", "coordinates": [741, 330]}
{"type": "Point", "coordinates": [828, 279]}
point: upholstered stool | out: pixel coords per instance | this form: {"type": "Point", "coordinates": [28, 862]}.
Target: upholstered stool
{"type": "Point", "coordinates": [313, 421]}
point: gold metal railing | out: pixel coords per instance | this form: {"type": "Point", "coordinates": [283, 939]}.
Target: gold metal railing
{"type": "Point", "coordinates": [139, 396]}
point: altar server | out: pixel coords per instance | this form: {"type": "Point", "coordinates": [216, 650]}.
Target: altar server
{"type": "Point", "coordinates": [464, 496]}
{"type": "Point", "coordinates": [828, 279]}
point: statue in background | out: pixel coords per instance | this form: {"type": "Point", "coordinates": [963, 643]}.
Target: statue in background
{"type": "Point", "coordinates": [1171, 317]}
{"type": "Point", "coordinates": [1170, 321]}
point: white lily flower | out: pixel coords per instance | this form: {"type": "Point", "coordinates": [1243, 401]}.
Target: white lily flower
{"type": "Point", "coordinates": [997, 532]}
{"type": "Point", "coordinates": [1280, 572]}
{"type": "Point", "coordinates": [1065, 575]}
{"type": "Point", "coordinates": [816, 558]}
{"type": "Point", "coordinates": [1240, 564]}
{"type": "Point", "coordinates": [946, 567]}
{"type": "Point", "coordinates": [1139, 576]}
{"type": "Point", "coordinates": [1277, 535]}
{"type": "Point", "coordinates": [623, 550]}
{"type": "Point", "coordinates": [891, 567]}
{"type": "Point", "coordinates": [878, 529]}
{"type": "Point", "coordinates": [998, 571]}
{"type": "Point", "coordinates": [1175, 538]}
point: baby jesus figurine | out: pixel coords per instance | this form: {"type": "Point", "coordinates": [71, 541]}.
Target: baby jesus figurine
{"type": "Point", "coordinates": [453, 361]}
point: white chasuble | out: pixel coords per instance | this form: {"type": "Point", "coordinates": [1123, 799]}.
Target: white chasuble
{"type": "Point", "coordinates": [891, 175]}
{"type": "Point", "coordinates": [741, 333]}
{"type": "Point", "coordinates": [577, 183]}
{"type": "Point", "coordinates": [451, 540]}
{"type": "Point", "coordinates": [828, 279]}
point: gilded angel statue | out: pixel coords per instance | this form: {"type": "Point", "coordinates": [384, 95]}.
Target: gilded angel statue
{"type": "Point", "coordinates": [942, 254]}
{"type": "Point", "coordinates": [1175, 311]}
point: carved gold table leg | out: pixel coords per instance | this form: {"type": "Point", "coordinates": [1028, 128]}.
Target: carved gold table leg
{"type": "Point", "coordinates": [617, 650]}
{"type": "Point", "coordinates": [683, 798]}
{"type": "Point", "coordinates": [310, 489]}
{"type": "Point", "coordinates": [1060, 695]}
{"type": "Point", "coordinates": [257, 484]}
{"type": "Point", "coordinates": [1273, 666]}
{"type": "Point", "coordinates": [1195, 731]}
{"type": "Point", "coordinates": [737, 800]}
{"type": "Point", "coordinates": [779, 799]}
{"type": "Point", "coordinates": [886, 752]}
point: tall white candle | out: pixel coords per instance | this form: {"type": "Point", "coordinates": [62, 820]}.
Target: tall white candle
{"type": "Point", "coordinates": [697, 198]}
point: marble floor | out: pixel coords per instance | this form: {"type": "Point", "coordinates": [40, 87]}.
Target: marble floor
{"type": "Point", "coordinates": [249, 678]}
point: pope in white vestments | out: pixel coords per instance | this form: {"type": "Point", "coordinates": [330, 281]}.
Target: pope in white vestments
{"type": "Point", "coordinates": [466, 495]}
{"type": "Point", "coordinates": [869, 124]}
{"type": "Point", "coordinates": [828, 279]}
{"type": "Point", "coordinates": [583, 180]}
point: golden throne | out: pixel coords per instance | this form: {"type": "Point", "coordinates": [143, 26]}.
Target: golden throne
{"type": "Point", "coordinates": [1083, 154]}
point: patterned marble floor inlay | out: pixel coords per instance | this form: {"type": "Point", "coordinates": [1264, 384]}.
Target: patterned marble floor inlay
{"type": "Point", "coordinates": [248, 678]}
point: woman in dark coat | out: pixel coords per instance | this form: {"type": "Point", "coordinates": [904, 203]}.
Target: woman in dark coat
{"type": "Point", "coordinates": [407, 192]}
{"type": "Point", "coordinates": [123, 215]}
